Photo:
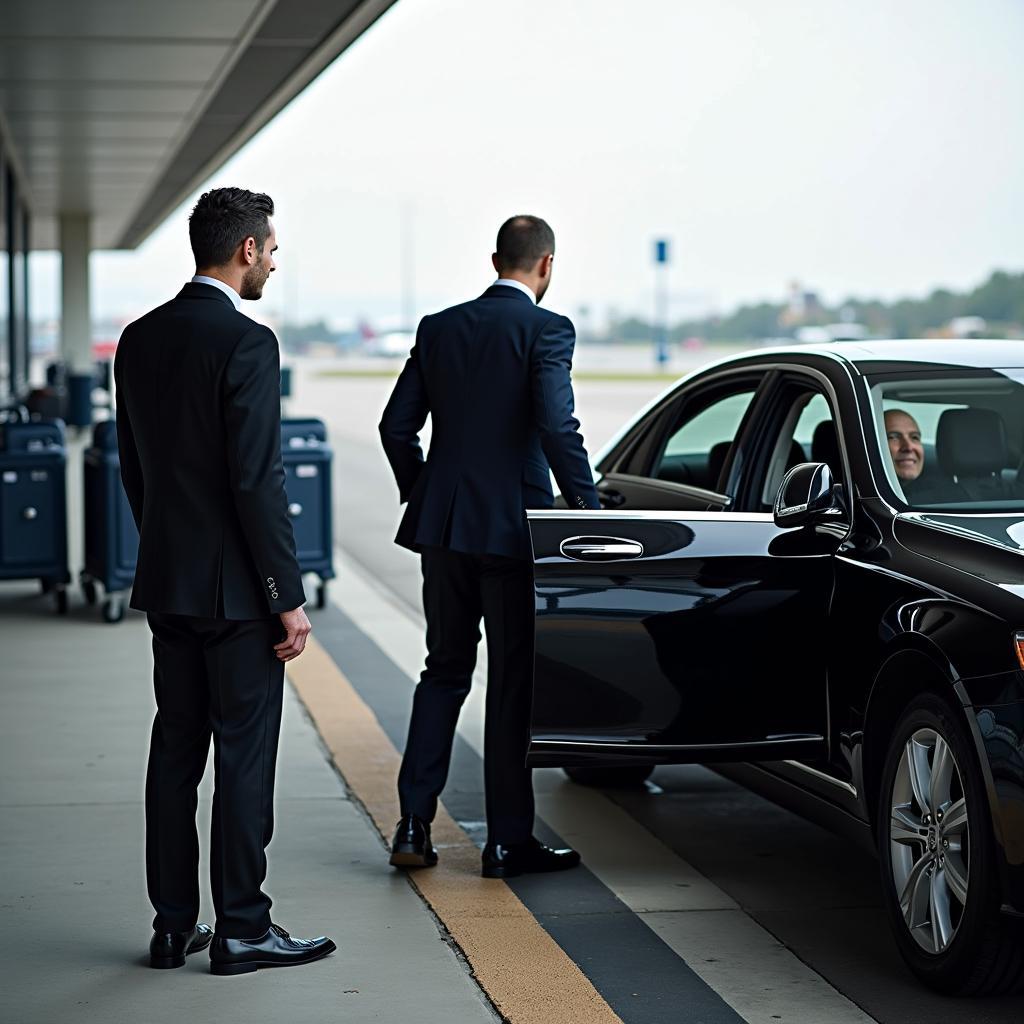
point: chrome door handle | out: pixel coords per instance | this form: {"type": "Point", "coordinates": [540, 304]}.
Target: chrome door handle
{"type": "Point", "coordinates": [600, 549]}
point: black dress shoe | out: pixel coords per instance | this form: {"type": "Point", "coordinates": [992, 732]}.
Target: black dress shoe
{"type": "Point", "coordinates": [275, 949]}
{"type": "Point", "coordinates": [411, 847]}
{"type": "Point", "coordinates": [531, 857]}
{"type": "Point", "coordinates": [169, 949]}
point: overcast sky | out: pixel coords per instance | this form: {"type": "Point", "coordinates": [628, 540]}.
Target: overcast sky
{"type": "Point", "coordinates": [869, 148]}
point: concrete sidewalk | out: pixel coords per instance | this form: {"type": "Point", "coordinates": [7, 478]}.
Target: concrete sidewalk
{"type": "Point", "coordinates": [76, 705]}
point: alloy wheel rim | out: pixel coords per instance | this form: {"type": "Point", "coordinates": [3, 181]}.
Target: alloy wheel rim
{"type": "Point", "coordinates": [929, 837]}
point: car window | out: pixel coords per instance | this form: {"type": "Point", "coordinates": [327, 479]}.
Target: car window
{"type": "Point", "coordinates": [815, 412]}
{"type": "Point", "coordinates": [696, 448]}
{"type": "Point", "coordinates": [953, 443]}
{"type": "Point", "coordinates": [804, 431]}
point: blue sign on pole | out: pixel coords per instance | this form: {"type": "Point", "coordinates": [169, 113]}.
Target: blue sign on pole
{"type": "Point", "coordinates": [661, 302]}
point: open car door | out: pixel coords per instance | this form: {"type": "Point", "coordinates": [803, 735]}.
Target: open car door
{"type": "Point", "coordinates": [671, 637]}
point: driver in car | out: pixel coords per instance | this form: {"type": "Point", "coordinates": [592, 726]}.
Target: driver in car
{"type": "Point", "coordinates": [905, 447]}
{"type": "Point", "coordinates": [907, 451]}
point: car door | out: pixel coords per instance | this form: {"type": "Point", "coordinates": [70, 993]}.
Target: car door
{"type": "Point", "coordinates": [672, 636]}
{"type": "Point", "coordinates": [676, 456]}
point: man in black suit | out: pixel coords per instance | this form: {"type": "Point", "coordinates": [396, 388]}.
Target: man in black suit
{"type": "Point", "coordinates": [494, 376]}
{"type": "Point", "coordinates": [199, 432]}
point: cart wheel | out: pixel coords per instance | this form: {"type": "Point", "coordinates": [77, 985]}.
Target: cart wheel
{"type": "Point", "coordinates": [113, 610]}
{"type": "Point", "coordinates": [321, 595]}
{"type": "Point", "coordinates": [62, 600]}
{"type": "Point", "coordinates": [89, 591]}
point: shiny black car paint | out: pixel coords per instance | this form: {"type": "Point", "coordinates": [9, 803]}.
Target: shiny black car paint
{"type": "Point", "coordinates": [730, 639]}
{"type": "Point", "coordinates": [689, 650]}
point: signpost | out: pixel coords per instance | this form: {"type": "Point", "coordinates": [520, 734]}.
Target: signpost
{"type": "Point", "coordinates": [661, 260]}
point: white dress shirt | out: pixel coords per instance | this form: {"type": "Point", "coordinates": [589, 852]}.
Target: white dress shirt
{"type": "Point", "coordinates": [509, 283]}
{"type": "Point", "coordinates": [230, 292]}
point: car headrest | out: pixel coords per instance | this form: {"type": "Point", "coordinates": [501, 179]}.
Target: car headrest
{"type": "Point", "coordinates": [796, 455]}
{"type": "Point", "coordinates": [825, 446]}
{"type": "Point", "coordinates": [716, 462]}
{"type": "Point", "coordinates": [971, 442]}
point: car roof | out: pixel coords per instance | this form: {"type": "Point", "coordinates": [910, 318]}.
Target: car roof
{"type": "Point", "coordinates": [893, 355]}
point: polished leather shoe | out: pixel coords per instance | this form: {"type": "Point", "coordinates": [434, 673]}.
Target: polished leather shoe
{"type": "Point", "coordinates": [169, 949]}
{"type": "Point", "coordinates": [411, 847]}
{"type": "Point", "coordinates": [275, 949]}
{"type": "Point", "coordinates": [531, 857]}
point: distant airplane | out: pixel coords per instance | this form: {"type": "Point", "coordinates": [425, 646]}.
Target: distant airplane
{"type": "Point", "coordinates": [388, 344]}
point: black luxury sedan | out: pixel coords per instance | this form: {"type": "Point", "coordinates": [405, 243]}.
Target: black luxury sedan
{"type": "Point", "coordinates": [812, 561]}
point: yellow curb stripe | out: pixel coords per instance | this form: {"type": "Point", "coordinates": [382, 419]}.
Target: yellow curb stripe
{"type": "Point", "coordinates": [526, 974]}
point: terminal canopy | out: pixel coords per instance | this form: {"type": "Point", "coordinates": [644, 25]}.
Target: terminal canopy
{"type": "Point", "coordinates": [118, 109]}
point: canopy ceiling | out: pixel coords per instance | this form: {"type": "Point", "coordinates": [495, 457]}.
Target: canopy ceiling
{"type": "Point", "coordinates": [121, 108]}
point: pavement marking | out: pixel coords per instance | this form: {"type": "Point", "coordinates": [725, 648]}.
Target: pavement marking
{"type": "Point", "coordinates": [524, 972]}
{"type": "Point", "coordinates": [754, 973]}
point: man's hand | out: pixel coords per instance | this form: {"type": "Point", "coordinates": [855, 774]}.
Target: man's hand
{"type": "Point", "coordinates": [296, 629]}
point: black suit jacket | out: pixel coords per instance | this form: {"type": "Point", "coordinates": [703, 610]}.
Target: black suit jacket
{"type": "Point", "coordinates": [494, 375]}
{"type": "Point", "coordinates": [199, 433]}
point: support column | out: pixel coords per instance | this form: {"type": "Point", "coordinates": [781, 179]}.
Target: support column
{"type": "Point", "coordinates": [76, 320]}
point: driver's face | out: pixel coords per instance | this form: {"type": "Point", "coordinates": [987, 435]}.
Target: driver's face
{"type": "Point", "coordinates": [904, 436]}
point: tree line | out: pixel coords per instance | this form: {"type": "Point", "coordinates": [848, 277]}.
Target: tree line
{"type": "Point", "coordinates": [999, 300]}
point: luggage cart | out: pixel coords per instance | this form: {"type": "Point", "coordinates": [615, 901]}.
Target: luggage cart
{"type": "Point", "coordinates": [33, 504]}
{"type": "Point", "coordinates": [111, 537]}
{"type": "Point", "coordinates": [307, 458]}
{"type": "Point", "coordinates": [112, 541]}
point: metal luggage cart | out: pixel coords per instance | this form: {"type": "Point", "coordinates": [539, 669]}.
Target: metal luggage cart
{"type": "Point", "coordinates": [111, 537]}
{"type": "Point", "coordinates": [307, 458]}
{"type": "Point", "coordinates": [33, 503]}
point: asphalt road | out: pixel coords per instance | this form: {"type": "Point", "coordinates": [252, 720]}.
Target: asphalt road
{"type": "Point", "coordinates": [815, 892]}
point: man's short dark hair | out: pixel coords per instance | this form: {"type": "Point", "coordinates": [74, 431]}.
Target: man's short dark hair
{"type": "Point", "coordinates": [223, 219]}
{"type": "Point", "coordinates": [522, 240]}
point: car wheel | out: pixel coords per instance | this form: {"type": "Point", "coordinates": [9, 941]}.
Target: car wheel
{"type": "Point", "coordinates": [628, 777]}
{"type": "Point", "coordinates": [937, 852]}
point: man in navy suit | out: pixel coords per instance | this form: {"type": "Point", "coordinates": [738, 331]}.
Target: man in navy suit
{"type": "Point", "coordinates": [199, 437]}
{"type": "Point", "coordinates": [494, 376]}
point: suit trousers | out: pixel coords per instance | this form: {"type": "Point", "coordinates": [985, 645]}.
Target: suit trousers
{"type": "Point", "coordinates": [458, 590]}
{"type": "Point", "coordinates": [219, 678]}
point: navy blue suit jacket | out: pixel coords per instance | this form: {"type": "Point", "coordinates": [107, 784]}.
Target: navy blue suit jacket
{"type": "Point", "coordinates": [199, 433]}
{"type": "Point", "coordinates": [494, 376]}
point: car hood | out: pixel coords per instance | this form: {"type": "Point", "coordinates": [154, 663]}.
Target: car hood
{"type": "Point", "coordinates": [1006, 531]}
{"type": "Point", "coordinates": [988, 546]}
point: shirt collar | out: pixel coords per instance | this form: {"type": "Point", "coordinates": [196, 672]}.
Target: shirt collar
{"type": "Point", "coordinates": [525, 289]}
{"type": "Point", "coordinates": [230, 292]}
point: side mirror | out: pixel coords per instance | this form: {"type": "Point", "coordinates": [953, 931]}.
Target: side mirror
{"type": "Point", "coordinates": [808, 493]}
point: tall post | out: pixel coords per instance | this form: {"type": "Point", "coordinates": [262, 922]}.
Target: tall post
{"type": "Point", "coordinates": [76, 319]}
{"type": "Point", "coordinates": [661, 258]}
{"type": "Point", "coordinates": [408, 258]}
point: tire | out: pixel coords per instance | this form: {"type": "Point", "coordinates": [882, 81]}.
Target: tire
{"type": "Point", "coordinates": [936, 846]}
{"type": "Point", "coordinates": [628, 777]}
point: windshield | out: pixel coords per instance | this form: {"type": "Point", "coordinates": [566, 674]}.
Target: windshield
{"type": "Point", "coordinates": [952, 442]}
